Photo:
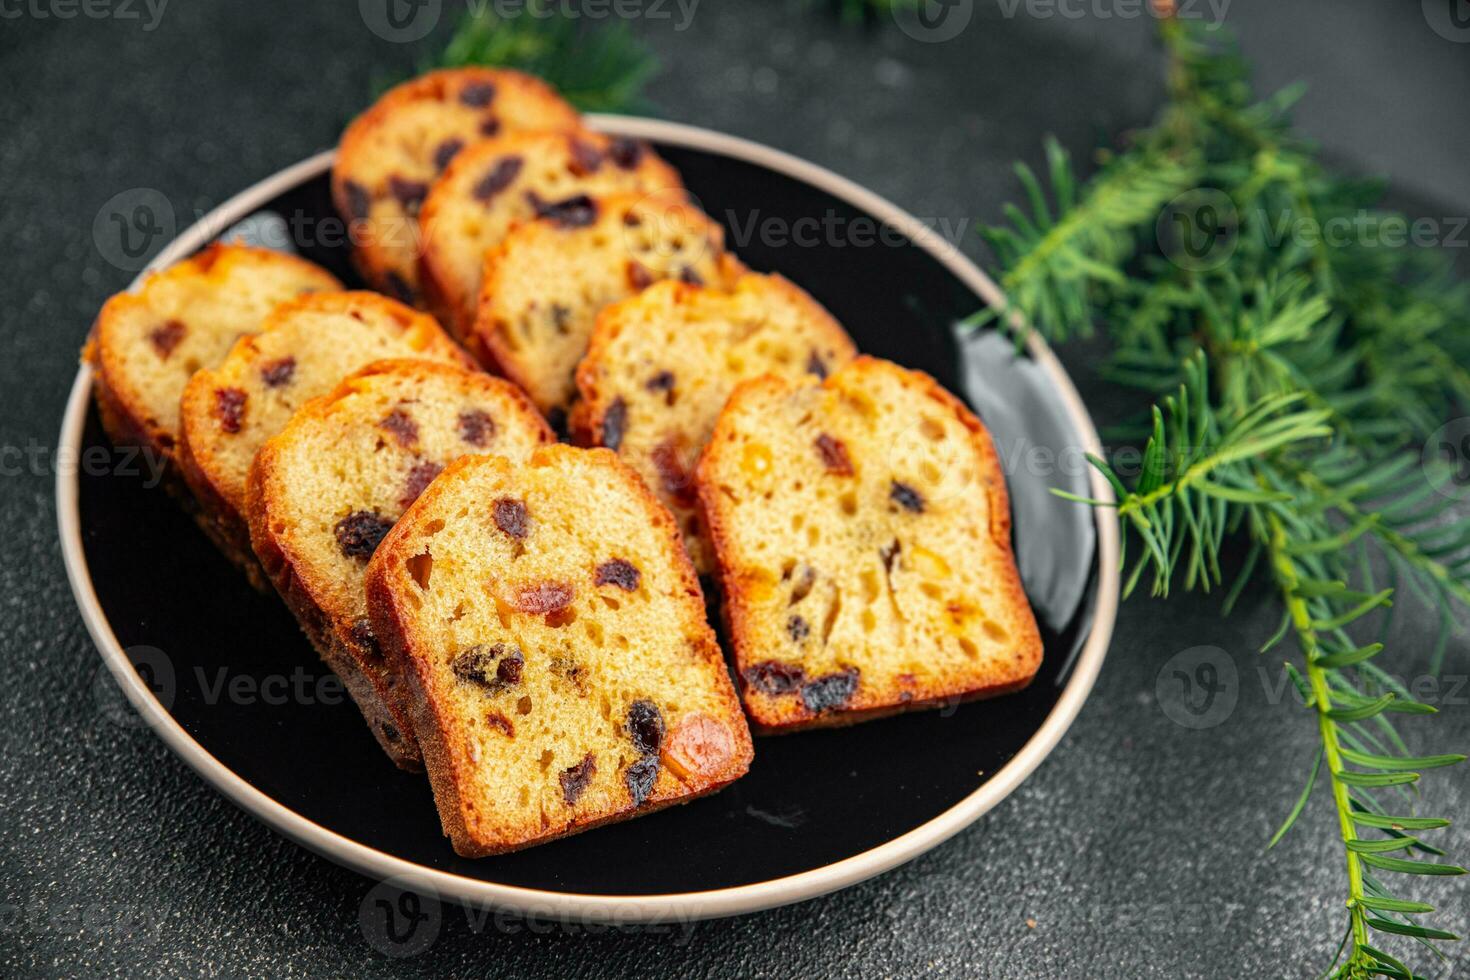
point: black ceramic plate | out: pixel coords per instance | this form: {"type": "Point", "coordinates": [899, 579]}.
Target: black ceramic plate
{"type": "Point", "coordinates": [228, 680]}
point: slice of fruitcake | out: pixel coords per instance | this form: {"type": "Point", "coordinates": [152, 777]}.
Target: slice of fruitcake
{"type": "Point", "coordinates": [147, 344]}
{"type": "Point", "coordinates": [305, 348]}
{"type": "Point", "coordinates": [497, 184]}
{"type": "Point", "coordinates": [389, 155]}
{"type": "Point", "coordinates": [862, 533]}
{"type": "Point", "coordinates": [662, 364]}
{"type": "Point", "coordinates": [325, 490]}
{"type": "Point", "coordinates": [561, 671]}
{"type": "Point", "coordinates": [545, 284]}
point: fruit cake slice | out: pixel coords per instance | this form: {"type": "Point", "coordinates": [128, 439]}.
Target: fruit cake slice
{"type": "Point", "coordinates": [499, 183]}
{"type": "Point", "coordinates": [560, 668]}
{"type": "Point", "coordinates": [389, 155]}
{"type": "Point", "coordinates": [862, 533]}
{"type": "Point", "coordinates": [147, 344]}
{"type": "Point", "coordinates": [661, 365]}
{"type": "Point", "coordinates": [305, 348]}
{"type": "Point", "coordinates": [323, 492]}
{"type": "Point", "coordinates": [545, 284]}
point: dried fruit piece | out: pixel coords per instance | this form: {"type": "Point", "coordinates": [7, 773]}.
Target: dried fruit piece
{"type": "Point", "coordinates": [490, 127]}
{"type": "Point", "coordinates": [614, 420]}
{"type": "Point", "coordinates": [499, 177]}
{"type": "Point", "coordinates": [494, 668]}
{"type": "Point", "coordinates": [688, 275]}
{"type": "Point", "coordinates": [906, 497]}
{"type": "Point", "coordinates": [829, 691]}
{"type": "Point", "coordinates": [229, 408]}
{"type": "Point", "coordinates": [363, 636]}
{"type": "Point", "coordinates": [360, 533]}
{"type": "Point", "coordinates": [677, 481]}
{"type": "Point", "coordinates": [574, 780]}
{"type": "Point", "coordinates": [544, 597]}
{"type": "Point", "coordinates": [798, 628]}
{"type": "Point", "coordinates": [641, 776]}
{"type": "Point", "coordinates": [359, 201]}
{"type": "Point", "coordinates": [477, 94]}
{"type": "Point", "coordinates": [476, 427]}
{"type": "Point", "coordinates": [511, 517]}
{"type": "Point", "coordinates": [402, 426]}
{"type": "Point", "coordinates": [625, 152]}
{"type": "Point", "coordinates": [578, 211]}
{"type": "Point", "coordinates": [774, 677]}
{"type": "Point", "coordinates": [834, 455]}
{"type": "Point", "coordinates": [638, 276]}
{"type": "Point", "coordinates": [645, 726]}
{"type": "Point", "coordinates": [166, 337]}
{"type": "Point", "coordinates": [586, 158]}
{"type": "Point", "coordinates": [498, 721]}
{"type": "Point", "coordinates": [698, 746]}
{"type": "Point", "coordinates": [815, 365]}
{"type": "Point", "coordinates": [278, 372]}
{"type": "Point", "coordinates": [419, 477]}
{"type": "Point", "coordinates": [617, 571]}
{"type": "Point", "coordinates": [446, 151]}
{"type": "Point", "coordinates": [663, 381]}
{"type": "Point", "coordinates": [409, 193]}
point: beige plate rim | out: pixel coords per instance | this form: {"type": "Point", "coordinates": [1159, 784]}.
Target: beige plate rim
{"type": "Point", "coordinates": [681, 907]}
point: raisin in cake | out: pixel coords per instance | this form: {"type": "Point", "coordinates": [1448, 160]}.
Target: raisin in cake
{"type": "Point", "coordinates": [661, 365]}
{"type": "Point", "coordinates": [499, 183]}
{"type": "Point", "coordinates": [325, 491]}
{"type": "Point", "coordinates": [862, 533]}
{"type": "Point", "coordinates": [560, 667]}
{"type": "Point", "coordinates": [147, 344]}
{"type": "Point", "coordinates": [305, 348]}
{"type": "Point", "coordinates": [389, 155]}
{"type": "Point", "coordinates": [545, 284]}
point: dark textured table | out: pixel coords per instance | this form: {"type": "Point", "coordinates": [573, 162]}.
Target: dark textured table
{"type": "Point", "coordinates": [1136, 850]}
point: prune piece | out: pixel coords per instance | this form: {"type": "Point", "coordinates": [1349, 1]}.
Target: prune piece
{"type": "Point", "coordinates": [672, 474]}
{"type": "Point", "coordinates": [494, 668]}
{"type": "Point", "coordinates": [278, 372]}
{"type": "Point", "coordinates": [906, 497]}
{"type": "Point", "coordinates": [402, 426]}
{"type": "Point", "coordinates": [798, 628]}
{"type": "Point", "coordinates": [511, 517]}
{"type": "Point", "coordinates": [409, 193]}
{"type": "Point", "coordinates": [774, 677]}
{"type": "Point", "coordinates": [362, 634]}
{"type": "Point", "coordinates": [614, 421]}
{"type": "Point", "coordinates": [834, 455]}
{"type": "Point", "coordinates": [165, 338]}
{"type": "Point", "coordinates": [229, 408]}
{"type": "Point", "coordinates": [477, 94]}
{"type": "Point", "coordinates": [497, 179]}
{"type": "Point", "coordinates": [815, 365]}
{"type": "Point", "coordinates": [578, 211]}
{"type": "Point", "coordinates": [575, 779]}
{"type": "Point", "coordinates": [663, 381]}
{"type": "Point", "coordinates": [359, 201]}
{"type": "Point", "coordinates": [476, 427]}
{"type": "Point", "coordinates": [687, 274]}
{"type": "Point", "coordinates": [625, 152]}
{"type": "Point", "coordinates": [446, 151]}
{"type": "Point", "coordinates": [360, 533]}
{"type": "Point", "coordinates": [616, 571]}
{"type": "Point", "coordinates": [399, 288]}
{"type": "Point", "coordinates": [544, 597]}
{"type": "Point", "coordinates": [641, 777]}
{"type": "Point", "coordinates": [645, 726]}
{"type": "Point", "coordinates": [638, 277]}
{"type": "Point", "coordinates": [419, 478]}
{"type": "Point", "coordinates": [498, 721]}
{"type": "Point", "coordinates": [829, 691]}
{"type": "Point", "coordinates": [586, 158]}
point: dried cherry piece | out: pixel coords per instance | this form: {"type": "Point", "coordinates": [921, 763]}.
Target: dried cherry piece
{"type": "Point", "coordinates": [574, 780]}
{"type": "Point", "coordinates": [586, 158]}
{"type": "Point", "coordinates": [645, 726]}
{"type": "Point", "coordinates": [641, 776]}
{"type": "Point", "coordinates": [419, 477]}
{"type": "Point", "coordinates": [544, 597]}
{"type": "Point", "coordinates": [625, 152]}
{"type": "Point", "coordinates": [774, 677]}
{"type": "Point", "coordinates": [402, 426]}
{"type": "Point", "coordinates": [834, 455]}
{"type": "Point", "coordinates": [830, 690]}
{"type": "Point", "coordinates": [359, 201]}
{"type": "Point", "coordinates": [498, 721]}
{"type": "Point", "coordinates": [409, 193]}
{"type": "Point", "coordinates": [798, 628]}
{"type": "Point", "coordinates": [477, 94]}
{"type": "Point", "coordinates": [511, 517]}
{"type": "Point", "coordinates": [639, 278]}
{"type": "Point", "coordinates": [446, 151]}
{"type": "Point", "coordinates": [617, 571]}
{"type": "Point", "coordinates": [229, 408]}
{"type": "Point", "coordinates": [278, 372]}
{"type": "Point", "coordinates": [614, 421]}
{"type": "Point", "coordinates": [906, 497]}
{"type": "Point", "coordinates": [497, 179]}
{"type": "Point", "coordinates": [815, 365]}
{"type": "Point", "coordinates": [166, 337]}
{"type": "Point", "coordinates": [476, 427]}
{"type": "Point", "coordinates": [360, 533]}
{"type": "Point", "coordinates": [578, 211]}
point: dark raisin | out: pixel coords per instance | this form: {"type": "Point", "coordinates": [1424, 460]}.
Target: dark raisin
{"type": "Point", "coordinates": [774, 677]}
{"type": "Point", "coordinates": [672, 473]}
{"type": "Point", "coordinates": [803, 586]}
{"type": "Point", "coordinates": [402, 426]}
{"type": "Point", "coordinates": [359, 201]}
{"type": "Point", "coordinates": [889, 554]}
{"type": "Point", "coordinates": [363, 636]}
{"type": "Point", "coordinates": [586, 158]}
{"type": "Point", "coordinates": [645, 726]}
{"type": "Point", "coordinates": [574, 780]}
{"type": "Point", "coordinates": [167, 337]}
{"type": "Point", "coordinates": [687, 274]}
{"type": "Point", "coordinates": [616, 571]}
{"type": "Point", "coordinates": [578, 211]}
{"type": "Point", "coordinates": [497, 179]}
{"type": "Point", "coordinates": [409, 193]}
{"type": "Point", "coordinates": [419, 478]}
{"type": "Point", "coordinates": [400, 288]}
{"type": "Point", "coordinates": [834, 455]}
{"type": "Point", "coordinates": [478, 94]}
{"type": "Point", "coordinates": [815, 365]}
{"type": "Point", "coordinates": [798, 629]}
{"type": "Point", "coordinates": [830, 691]}
{"type": "Point", "coordinates": [390, 733]}
{"type": "Point", "coordinates": [638, 277]}
{"type": "Point", "coordinates": [476, 427]}
{"type": "Point", "coordinates": [625, 152]}
{"type": "Point", "coordinates": [511, 665]}
{"type": "Point", "coordinates": [561, 316]}
{"type": "Point", "coordinates": [229, 408]}
{"type": "Point", "coordinates": [360, 533]}
{"type": "Point", "coordinates": [278, 372]}
{"type": "Point", "coordinates": [446, 151]}
{"type": "Point", "coordinates": [641, 777]}
{"type": "Point", "coordinates": [614, 421]}
{"type": "Point", "coordinates": [490, 127]}
{"type": "Point", "coordinates": [544, 597]}
{"type": "Point", "coordinates": [494, 668]}
{"type": "Point", "coordinates": [511, 517]}
{"type": "Point", "coordinates": [498, 721]}
{"type": "Point", "coordinates": [663, 381]}
{"type": "Point", "coordinates": [557, 419]}
{"type": "Point", "coordinates": [906, 497]}
{"type": "Point", "coordinates": [571, 670]}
